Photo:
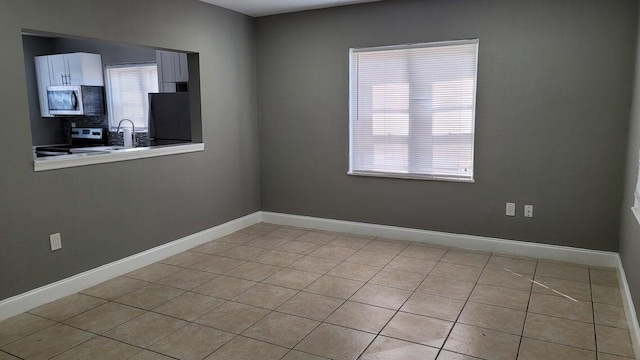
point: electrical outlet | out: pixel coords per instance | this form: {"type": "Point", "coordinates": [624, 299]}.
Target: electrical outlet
{"type": "Point", "coordinates": [55, 240]}
{"type": "Point", "coordinates": [528, 211]}
{"type": "Point", "coordinates": [511, 209]}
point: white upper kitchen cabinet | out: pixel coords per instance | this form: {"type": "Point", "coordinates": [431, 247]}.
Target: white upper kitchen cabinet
{"type": "Point", "coordinates": [172, 69]}
{"type": "Point", "coordinates": [42, 76]}
{"type": "Point", "coordinates": [75, 69]}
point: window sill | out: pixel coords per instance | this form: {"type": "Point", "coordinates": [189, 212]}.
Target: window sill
{"type": "Point", "coordinates": [83, 159]}
{"type": "Point", "coordinates": [412, 176]}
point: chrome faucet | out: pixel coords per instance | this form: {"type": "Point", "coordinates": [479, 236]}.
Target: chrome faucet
{"type": "Point", "coordinates": [133, 135]}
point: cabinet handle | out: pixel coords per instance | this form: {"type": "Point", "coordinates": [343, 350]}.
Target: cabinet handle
{"type": "Point", "coordinates": [74, 100]}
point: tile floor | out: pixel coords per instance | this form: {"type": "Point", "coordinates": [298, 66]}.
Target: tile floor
{"type": "Point", "coordinates": [271, 292]}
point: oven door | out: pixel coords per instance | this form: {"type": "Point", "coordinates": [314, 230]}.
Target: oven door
{"type": "Point", "coordinates": [65, 100]}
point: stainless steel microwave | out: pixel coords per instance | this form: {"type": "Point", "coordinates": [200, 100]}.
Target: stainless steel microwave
{"type": "Point", "coordinates": [76, 100]}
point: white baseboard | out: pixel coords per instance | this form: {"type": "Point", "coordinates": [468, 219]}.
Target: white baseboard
{"type": "Point", "coordinates": [629, 309]}
{"type": "Point", "coordinates": [42, 295]}
{"type": "Point", "coordinates": [470, 242]}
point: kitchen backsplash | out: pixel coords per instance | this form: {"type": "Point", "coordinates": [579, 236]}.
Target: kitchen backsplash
{"type": "Point", "coordinates": [114, 138]}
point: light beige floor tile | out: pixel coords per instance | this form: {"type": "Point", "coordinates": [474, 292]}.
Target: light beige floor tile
{"type": "Point", "coordinates": [291, 278]}
{"type": "Point", "coordinates": [317, 237]}
{"type": "Point", "coordinates": [232, 317]}
{"type": "Point", "coordinates": [238, 238]}
{"type": "Point", "coordinates": [493, 318]}
{"type": "Point", "coordinates": [299, 355]}
{"type": "Point", "coordinates": [361, 317]}
{"type": "Point", "coordinates": [560, 271]}
{"type": "Point", "coordinates": [560, 331]}
{"type": "Point", "coordinates": [500, 296]}
{"type": "Point", "coordinates": [286, 233]}
{"type": "Point", "coordinates": [370, 258]}
{"type": "Point", "coordinates": [214, 247]}
{"type": "Point", "coordinates": [386, 247]}
{"type": "Point", "coordinates": [449, 355]}
{"type": "Point", "coordinates": [114, 288]}
{"type": "Point", "coordinates": [150, 296]}
{"type": "Point", "coordinates": [531, 349]}
{"type": "Point", "coordinates": [218, 265]}
{"type": "Point", "coordinates": [67, 307]}
{"type": "Point", "coordinates": [267, 242]}
{"type": "Point", "coordinates": [351, 242]}
{"type": "Point", "coordinates": [192, 342]}
{"type": "Point", "coordinates": [456, 272]}
{"type": "Point", "coordinates": [19, 326]}
{"type": "Point", "coordinates": [187, 279]}
{"type": "Point", "coordinates": [335, 342]}
{"type": "Point", "coordinates": [398, 279]}
{"type": "Point", "coordinates": [562, 307]}
{"type": "Point", "coordinates": [281, 329]}
{"type": "Point", "coordinates": [104, 318]}
{"type": "Point", "coordinates": [145, 329]}
{"type": "Point", "coordinates": [424, 252]}
{"type": "Point", "coordinates": [418, 329]}
{"type": "Point", "coordinates": [384, 348]}
{"type": "Point", "coordinates": [466, 258]}
{"type": "Point", "coordinates": [311, 306]}
{"type": "Point", "coordinates": [249, 349]}
{"type": "Point", "coordinates": [47, 343]}
{"type": "Point", "coordinates": [259, 228]}
{"type": "Point", "coordinates": [185, 258]}
{"type": "Point", "coordinates": [433, 306]}
{"type": "Point", "coordinates": [334, 287]}
{"type": "Point", "coordinates": [614, 341]}
{"type": "Point", "coordinates": [383, 296]}
{"type": "Point", "coordinates": [559, 287]}
{"type": "Point", "coordinates": [99, 348]}
{"type": "Point", "coordinates": [505, 279]}
{"type": "Point", "coordinates": [299, 247]}
{"type": "Point", "coordinates": [405, 263]}
{"type": "Point", "coordinates": [606, 277]}
{"type": "Point", "coordinates": [455, 289]}
{"type": "Point", "coordinates": [603, 356]}
{"type": "Point", "coordinates": [254, 271]}
{"type": "Point", "coordinates": [482, 343]}
{"type": "Point", "coordinates": [189, 306]}
{"type": "Point", "coordinates": [315, 264]}
{"type": "Point", "coordinates": [244, 252]}
{"type": "Point", "coordinates": [153, 272]}
{"type": "Point", "coordinates": [265, 296]}
{"type": "Point", "coordinates": [278, 258]}
{"type": "Point", "coordinates": [224, 287]}
{"type": "Point", "coordinates": [610, 315]}
{"type": "Point", "coordinates": [7, 356]}
{"type": "Point", "coordinates": [520, 266]}
{"type": "Point", "coordinates": [354, 271]}
{"type": "Point", "coordinates": [149, 355]}
{"type": "Point", "coordinates": [333, 252]}
{"type": "Point", "coordinates": [606, 294]}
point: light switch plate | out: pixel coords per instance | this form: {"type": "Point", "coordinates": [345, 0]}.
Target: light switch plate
{"type": "Point", "coordinates": [511, 209]}
{"type": "Point", "coordinates": [55, 240]}
{"type": "Point", "coordinates": [528, 211]}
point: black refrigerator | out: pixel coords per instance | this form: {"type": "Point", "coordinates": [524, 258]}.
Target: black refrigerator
{"type": "Point", "coordinates": [169, 118]}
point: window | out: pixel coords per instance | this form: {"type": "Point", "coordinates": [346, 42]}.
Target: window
{"type": "Point", "coordinates": [412, 110]}
{"type": "Point", "coordinates": [128, 88]}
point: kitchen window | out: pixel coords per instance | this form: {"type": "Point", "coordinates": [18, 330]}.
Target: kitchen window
{"type": "Point", "coordinates": [128, 88]}
{"type": "Point", "coordinates": [412, 110]}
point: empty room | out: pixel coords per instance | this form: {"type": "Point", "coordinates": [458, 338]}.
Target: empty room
{"type": "Point", "coordinates": [320, 179]}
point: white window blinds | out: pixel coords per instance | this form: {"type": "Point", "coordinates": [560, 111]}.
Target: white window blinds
{"type": "Point", "coordinates": [412, 110]}
{"type": "Point", "coordinates": [128, 88]}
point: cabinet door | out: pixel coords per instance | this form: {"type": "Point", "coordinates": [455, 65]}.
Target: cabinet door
{"type": "Point", "coordinates": [42, 77]}
{"type": "Point", "coordinates": [57, 70]}
{"type": "Point", "coordinates": [167, 66]}
{"type": "Point", "coordinates": [74, 69]}
{"type": "Point", "coordinates": [182, 69]}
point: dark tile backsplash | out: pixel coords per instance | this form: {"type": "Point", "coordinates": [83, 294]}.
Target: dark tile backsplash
{"type": "Point", "coordinates": [114, 138]}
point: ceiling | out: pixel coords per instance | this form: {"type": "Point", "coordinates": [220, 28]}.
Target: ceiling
{"type": "Point", "coordinates": [257, 8]}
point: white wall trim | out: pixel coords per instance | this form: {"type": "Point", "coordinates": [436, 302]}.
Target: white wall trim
{"type": "Point", "coordinates": [42, 295]}
{"type": "Point", "coordinates": [629, 309]}
{"type": "Point", "coordinates": [470, 242]}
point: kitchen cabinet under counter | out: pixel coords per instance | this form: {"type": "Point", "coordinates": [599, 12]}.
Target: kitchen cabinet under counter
{"type": "Point", "coordinates": [110, 154]}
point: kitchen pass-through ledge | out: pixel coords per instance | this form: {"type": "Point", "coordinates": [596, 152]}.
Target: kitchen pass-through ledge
{"type": "Point", "coordinates": [73, 160]}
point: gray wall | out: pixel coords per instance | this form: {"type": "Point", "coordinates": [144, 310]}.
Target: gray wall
{"type": "Point", "coordinates": [109, 211]}
{"type": "Point", "coordinates": [553, 100]}
{"type": "Point", "coordinates": [630, 229]}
